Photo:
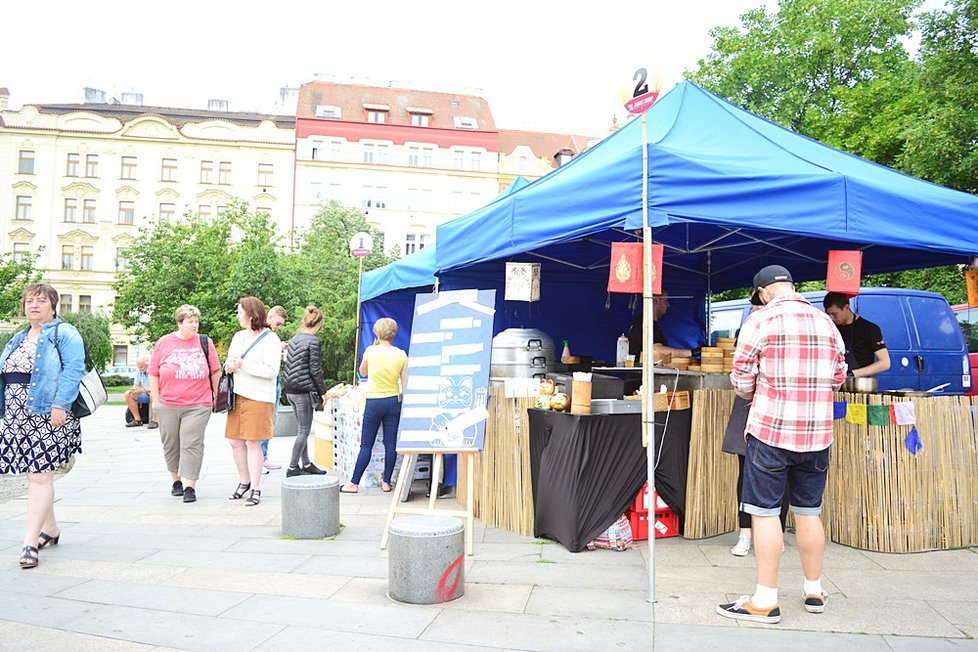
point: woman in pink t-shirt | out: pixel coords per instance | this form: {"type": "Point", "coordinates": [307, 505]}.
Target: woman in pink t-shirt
{"type": "Point", "coordinates": [183, 375]}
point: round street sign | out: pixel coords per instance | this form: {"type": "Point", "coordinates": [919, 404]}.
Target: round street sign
{"type": "Point", "coordinates": [361, 244]}
{"type": "Point", "coordinates": [641, 93]}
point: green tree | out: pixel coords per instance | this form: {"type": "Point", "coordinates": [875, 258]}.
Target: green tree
{"type": "Point", "coordinates": [16, 273]}
{"type": "Point", "coordinates": [94, 329]}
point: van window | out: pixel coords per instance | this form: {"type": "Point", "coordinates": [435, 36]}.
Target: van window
{"type": "Point", "coordinates": [725, 323]}
{"type": "Point", "coordinates": [968, 318]}
{"type": "Point", "coordinates": [941, 332]}
{"type": "Point", "coordinates": [887, 313]}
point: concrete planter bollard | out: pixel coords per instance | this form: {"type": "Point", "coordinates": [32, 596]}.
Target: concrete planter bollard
{"type": "Point", "coordinates": [426, 559]}
{"type": "Point", "coordinates": [285, 425]}
{"type": "Point", "coordinates": [310, 506]}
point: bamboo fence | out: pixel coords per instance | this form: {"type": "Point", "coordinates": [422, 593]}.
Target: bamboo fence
{"type": "Point", "coordinates": [878, 495]}
{"type": "Point", "coordinates": [503, 489]}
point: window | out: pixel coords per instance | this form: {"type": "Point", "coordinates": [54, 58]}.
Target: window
{"type": "Point", "coordinates": [465, 122]}
{"type": "Point", "coordinates": [206, 171]}
{"type": "Point", "coordinates": [66, 302]}
{"type": "Point", "coordinates": [335, 146]}
{"type": "Point", "coordinates": [121, 259]}
{"type": "Point", "coordinates": [263, 210]}
{"type": "Point", "coordinates": [24, 204]}
{"type": "Point", "coordinates": [71, 209]}
{"type": "Point", "coordinates": [91, 166]}
{"type": "Point", "coordinates": [427, 156]}
{"type": "Point", "coordinates": [88, 211]}
{"type": "Point", "coordinates": [25, 164]}
{"type": "Point", "coordinates": [68, 257]}
{"type": "Point", "coordinates": [328, 112]}
{"type": "Point", "coordinates": [315, 151]}
{"type": "Point", "coordinates": [21, 252]}
{"type": "Point", "coordinates": [221, 210]}
{"type": "Point", "coordinates": [475, 161]}
{"type": "Point", "coordinates": [265, 174]}
{"type": "Point", "coordinates": [382, 154]}
{"type": "Point", "coordinates": [564, 156]}
{"type": "Point", "coordinates": [315, 192]}
{"type": "Point", "coordinates": [204, 211]}
{"type": "Point", "coordinates": [169, 170]}
{"type": "Point", "coordinates": [378, 117]}
{"type": "Point", "coordinates": [410, 244]}
{"type": "Point", "coordinates": [168, 212]}
{"type": "Point", "coordinates": [224, 173]}
{"type": "Point", "coordinates": [120, 355]}
{"type": "Point", "coordinates": [419, 120]}
{"type": "Point", "coordinates": [71, 169]}
{"type": "Point", "coordinates": [84, 303]}
{"type": "Point", "coordinates": [87, 254]}
{"type": "Point", "coordinates": [459, 159]}
{"type": "Point", "coordinates": [413, 158]}
{"type": "Point", "coordinates": [128, 167]}
{"type": "Point", "coordinates": [521, 165]}
{"type": "Point", "coordinates": [368, 153]}
{"type": "Point", "coordinates": [127, 212]}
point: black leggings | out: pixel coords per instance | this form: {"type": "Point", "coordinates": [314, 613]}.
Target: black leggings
{"type": "Point", "coordinates": [743, 518]}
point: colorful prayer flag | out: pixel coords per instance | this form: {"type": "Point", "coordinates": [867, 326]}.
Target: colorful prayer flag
{"type": "Point", "coordinates": [912, 441]}
{"type": "Point", "coordinates": [878, 415]}
{"type": "Point", "coordinates": [856, 414]}
{"type": "Point", "coordinates": [905, 413]}
{"type": "Point", "coordinates": [839, 409]}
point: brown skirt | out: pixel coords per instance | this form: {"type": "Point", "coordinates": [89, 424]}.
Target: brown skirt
{"type": "Point", "coordinates": [250, 419]}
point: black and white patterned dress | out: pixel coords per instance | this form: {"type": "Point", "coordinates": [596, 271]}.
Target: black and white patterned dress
{"type": "Point", "coordinates": [28, 442]}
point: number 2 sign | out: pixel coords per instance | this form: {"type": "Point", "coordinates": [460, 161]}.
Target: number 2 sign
{"type": "Point", "coordinates": [642, 95]}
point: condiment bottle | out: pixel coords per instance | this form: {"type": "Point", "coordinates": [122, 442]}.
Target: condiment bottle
{"type": "Point", "coordinates": [621, 352]}
{"type": "Point", "coordinates": [565, 356]}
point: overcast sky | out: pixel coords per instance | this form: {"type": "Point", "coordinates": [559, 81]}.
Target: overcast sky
{"type": "Point", "coordinates": [541, 64]}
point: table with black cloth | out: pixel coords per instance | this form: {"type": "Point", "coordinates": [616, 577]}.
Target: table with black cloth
{"type": "Point", "coordinates": [587, 468]}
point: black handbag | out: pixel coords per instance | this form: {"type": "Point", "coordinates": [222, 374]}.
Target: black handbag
{"type": "Point", "coordinates": [224, 397]}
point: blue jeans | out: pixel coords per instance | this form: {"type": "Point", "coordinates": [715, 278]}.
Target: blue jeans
{"type": "Point", "coordinates": [377, 411]}
{"type": "Point", "coordinates": [770, 472]}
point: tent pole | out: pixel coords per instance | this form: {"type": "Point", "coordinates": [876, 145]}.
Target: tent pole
{"type": "Point", "coordinates": [648, 375]}
{"type": "Point", "coordinates": [709, 298]}
{"type": "Point", "coordinates": [356, 340]}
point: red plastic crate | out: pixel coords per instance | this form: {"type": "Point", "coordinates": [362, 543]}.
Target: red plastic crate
{"type": "Point", "coordinates": [666, 524]}
{"type": "Point", "coordinates": [640, 524]}
{"type": "Point", "coordinates": [641, 502]}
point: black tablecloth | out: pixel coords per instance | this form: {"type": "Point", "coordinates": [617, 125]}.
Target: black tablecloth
{"type": "Point", "coordinates": [587, 469]}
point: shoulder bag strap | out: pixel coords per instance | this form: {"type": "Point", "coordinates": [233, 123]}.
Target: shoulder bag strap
{"type": "Point", "coordinates": [257, 340]}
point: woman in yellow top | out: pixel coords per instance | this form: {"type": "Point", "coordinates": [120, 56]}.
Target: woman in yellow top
{"type": "Point", "coordinates": [385, 366]}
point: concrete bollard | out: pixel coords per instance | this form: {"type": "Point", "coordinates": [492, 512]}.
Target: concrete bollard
{"type": "Point", "coordinates": [310, 506]}
{"type": "Point", "coordinates": [426, 559]}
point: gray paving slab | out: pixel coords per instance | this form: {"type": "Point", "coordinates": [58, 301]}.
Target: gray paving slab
{"type": "Point", "coordinates": [31, 638]}
{"type": "Point", "coordinates": [883, 584]}
{"type": "Point", "coordinates": [258, 582]}
{"type": "Point", "coordinates": [350, 566]}
{"type": "Point", "coordinates": [43, 610]}
{"type": "Point", "coordinates": [600, 603]}
{"type": "Point", "coordinates": [153, 596]}
{"type": "Point", "coordinates": [229, 560]}
{"type": "Point", "coordinates": [300, 638]}
{"type": "Point", "coordinates": [530, 632]}
{"type": "Point", "coordinates": [918, 644]}
{"type": "Point", "coordinates": [557, 574]}
{"type": "Point", "coordinates": [180, 631]}
{"type": "Point", "coordinates": [770, 639]}
{"type": "Point", "coordinates": [941, 560]}
{"type": "Point", "coordinates": [104, 570]}
{"type": "Point", "coordinates": [331, 546]}
{"type": "Point", "coordinates": [958, 612]}
{"type": "Point", "coordinates": [478, 597]}
{"type": "Point", "coordinates": [386, 618]}
{"type": "Point", "coordinates": [92, 551]}
{"type": "Point", "coordinates": [35, 583]}
{"type": "Point", "coordinates": [150, 542]}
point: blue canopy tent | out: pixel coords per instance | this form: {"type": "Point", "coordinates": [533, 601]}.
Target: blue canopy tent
{"type": "Point", "coordinates": [729, 192]}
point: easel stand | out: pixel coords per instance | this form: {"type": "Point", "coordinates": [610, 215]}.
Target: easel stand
{"type": "Point", "coordinates": [406, 476]}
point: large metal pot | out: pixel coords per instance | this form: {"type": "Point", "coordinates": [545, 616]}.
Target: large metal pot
{"type": "Point", "coordinates": [865, 385]}
{"type": "Point", "coordinates": [521, 353]}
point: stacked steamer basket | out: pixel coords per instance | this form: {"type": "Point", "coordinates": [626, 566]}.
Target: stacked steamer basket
{"type": "Point", "coordinates": [711, 359]}
{"type": "Point", "coordinates": [727, 344]}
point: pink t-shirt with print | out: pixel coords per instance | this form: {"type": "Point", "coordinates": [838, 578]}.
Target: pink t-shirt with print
{"type": "Point", "coordinates": [184, 374]}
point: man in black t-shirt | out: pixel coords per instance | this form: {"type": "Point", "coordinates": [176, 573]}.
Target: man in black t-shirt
{"type": "Point", "coordinates": [866, 352]}
{"type": "Point", "coordinates": [660, 305]}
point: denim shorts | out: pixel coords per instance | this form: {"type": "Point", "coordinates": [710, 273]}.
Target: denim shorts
{"type": "Point", "coordinates": [769, 472]}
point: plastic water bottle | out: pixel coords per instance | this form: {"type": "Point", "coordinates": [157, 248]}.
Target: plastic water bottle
{"type": "Point", "coordinates": [621, 352]}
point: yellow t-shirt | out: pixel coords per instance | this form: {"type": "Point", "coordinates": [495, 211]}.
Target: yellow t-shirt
{"type": "Point", "coordinates": [384, 366]}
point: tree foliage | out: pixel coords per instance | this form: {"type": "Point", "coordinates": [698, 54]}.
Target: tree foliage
{"type": "Point", "coordinates": [94, 330]}
{"type": "Point", "coordinates": [213, 263]}
{"type": "Point", "coordinates": [15, 276]}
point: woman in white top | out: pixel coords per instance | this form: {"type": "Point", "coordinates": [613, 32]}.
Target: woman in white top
{"type": "Point", "coordinates": [253, 357]}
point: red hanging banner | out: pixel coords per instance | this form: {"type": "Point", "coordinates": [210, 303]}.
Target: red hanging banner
{"type": "Point", "coordinates": [844, 271]}
{"type": "Point", "coordinates": [626, 268]}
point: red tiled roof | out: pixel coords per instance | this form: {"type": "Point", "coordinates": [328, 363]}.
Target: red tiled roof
{"type": "Point", "coordinates": [442, 108]}
{"type": "Point", "coordinates": [543, 145]}
{"type": "Point", "coordinates": [176, 117]}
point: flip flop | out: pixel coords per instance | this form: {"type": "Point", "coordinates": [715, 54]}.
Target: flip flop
{"type": "Point", "coordinates": [344, 491]}
{"type": "Point", "coordinates": [388, 489]}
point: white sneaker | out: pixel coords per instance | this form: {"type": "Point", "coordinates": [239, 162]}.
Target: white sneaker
{"type": "Point", "coordinates": [742, 549]}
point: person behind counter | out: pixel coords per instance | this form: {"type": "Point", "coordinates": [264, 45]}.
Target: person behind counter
{"type": "Point", "coordinates": [866, 352]}
{"type": "Point", "coordinates": [660, 306]}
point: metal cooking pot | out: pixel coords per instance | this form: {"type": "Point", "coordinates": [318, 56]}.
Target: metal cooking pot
{"type": "Point", "coordinates": [521, 353]}
{"type": "Point", "coordinates": [865, 385]}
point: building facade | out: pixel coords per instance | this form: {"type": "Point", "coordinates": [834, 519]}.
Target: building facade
{"type": "Point", "coordinates": [77, 181]}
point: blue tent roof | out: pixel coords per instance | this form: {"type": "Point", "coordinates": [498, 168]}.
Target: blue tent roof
{"type": "Point", "coordinates": [728, 193]}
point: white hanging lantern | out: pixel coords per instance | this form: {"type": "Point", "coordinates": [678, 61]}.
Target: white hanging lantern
{"type": "Point", "coordinates": [522, 281]}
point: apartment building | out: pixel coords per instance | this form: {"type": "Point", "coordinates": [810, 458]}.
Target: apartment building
{"type": "Point", "coordinates": [77, 181]}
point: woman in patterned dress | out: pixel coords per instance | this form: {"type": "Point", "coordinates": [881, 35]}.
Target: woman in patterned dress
{"type": "Point", "coordinates": [40, 370]}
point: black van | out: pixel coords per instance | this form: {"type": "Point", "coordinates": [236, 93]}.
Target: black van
{"type": "Point", "coordinates": [922, 335]}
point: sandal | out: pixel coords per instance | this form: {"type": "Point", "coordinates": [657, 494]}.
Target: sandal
{"type": "Point", "coordinates": [44, 539]}
{"type": "Point", "coordinates": [254, 498]}
{"type": "Point", "coordinates": [386, 487]}
{"type": "Point", "coordinates": [240, 491]}
{"type": "Point", "coordinates": [28, 558]}
{"type": "Point", "coordinates": [134, 424]}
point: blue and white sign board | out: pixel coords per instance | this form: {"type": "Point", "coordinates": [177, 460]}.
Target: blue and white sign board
{"type": "Point", "coordinates": [444, 404]}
